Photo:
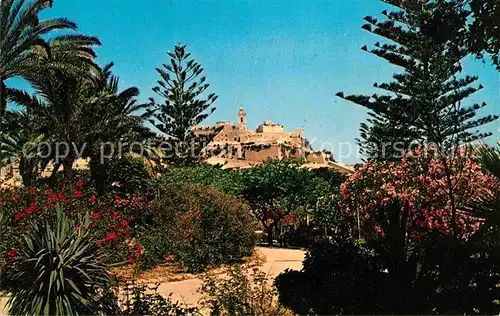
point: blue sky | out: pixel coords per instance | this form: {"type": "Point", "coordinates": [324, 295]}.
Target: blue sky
{"type": "Point", "coordinates": [282, 60]}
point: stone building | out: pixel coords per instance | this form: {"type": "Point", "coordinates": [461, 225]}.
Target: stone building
{"type": "Point", "coordinates": [237, 146]}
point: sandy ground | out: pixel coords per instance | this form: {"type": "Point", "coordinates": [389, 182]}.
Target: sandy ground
{"type": "Point", "coordinates": [276, 260]}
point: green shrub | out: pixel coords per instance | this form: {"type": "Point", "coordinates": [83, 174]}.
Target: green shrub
{"type": "Point", "coordinates": [205, 226]}
{"type": "Point", "coordinates": [229, 181]}
{"type": "Point", "coordinates": [156, 245]}
{"type": "Point", "coordinates": [57, 267]}
{"type": "Point", "coordinates": [239, 294]}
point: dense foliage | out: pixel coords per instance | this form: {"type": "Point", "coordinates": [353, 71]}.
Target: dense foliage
{"type": "Point", "coordinates": [278, 188]}
{"type": "Point", "coordinates": [203, 225]}
{"type": "Point", "coordinates": [229, 181]}
{"type": "Point", "coordinates": [345, 277]}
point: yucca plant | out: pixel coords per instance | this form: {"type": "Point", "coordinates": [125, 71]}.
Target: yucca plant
{"type": "Point", "coordinates": [58, 268]}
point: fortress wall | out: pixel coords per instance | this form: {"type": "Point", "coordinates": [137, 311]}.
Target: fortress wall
{"type": "Point", "coordinates": [263, 154]}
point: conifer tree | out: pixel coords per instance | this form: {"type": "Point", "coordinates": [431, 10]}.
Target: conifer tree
{"type": "Point", "coordinates": [424, 103]}
{"type": "Point", "coordinates": [184, 106]}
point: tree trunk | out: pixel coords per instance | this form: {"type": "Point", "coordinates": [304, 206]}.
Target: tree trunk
{"type": "Point", "coordinates": [26, 172]}
{"type": "Point", "coordinates": [54, 171]}
{"type": "Point", "coordinates": [451, 195]}
{"type": "Point", "coordinates": [68, 166]}
{"type": "Point", "coordinates": [98, 174]}
{"type": "Point", "coordinates": [270, 231]}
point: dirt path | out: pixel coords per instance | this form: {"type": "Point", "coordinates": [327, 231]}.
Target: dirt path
{"type": "Point", "coordinates": [276, 261]}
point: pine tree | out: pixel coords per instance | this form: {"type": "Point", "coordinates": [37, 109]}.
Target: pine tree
{"type": "Point", "coordinates": [183, 107]}
{"type": "Point", "coordinates": [424, 103]}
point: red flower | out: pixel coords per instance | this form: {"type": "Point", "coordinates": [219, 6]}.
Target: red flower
{"type": "Point", "coordinates": [53, 198]}
{"type": "Point", "coordinates": [15, 200]}
{"type": "Point", "coordinates": [138, 249]}
{"type": "Point", "coordinates": [117, 198]}
{"type": "Point", "coordinates": [29, 210]}
{"type": "Point", "coordinates": [92, 198]}
{"type": "Point", "coordinates": [131, 260]}
{"type": "Point", "coordinates": [19, 215]}
{"type": "Point", "coordinates": [32, 190]}
{"type": "Point", "coordinates": [12, 253]}
{"type": "Point", "coordinates": [96, 216]}
{"type": "Point", "coordinates": [115, 215]}
{"type": "Point", "coordinates": [80, 183]}
{"type": "Point", "coordinates": [124, 224]}
{"type": "Point", "coordinates": [110, 237]}
{"type": "Point", "coordinates": [78, 193]}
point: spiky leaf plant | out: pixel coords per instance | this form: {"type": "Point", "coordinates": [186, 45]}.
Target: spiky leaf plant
{"type": "Point", "coordinates": [58, 268]}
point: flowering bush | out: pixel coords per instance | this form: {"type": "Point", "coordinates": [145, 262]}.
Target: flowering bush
{"type": "Point", "coordinates": [111, 215]}
{"type": "Point", "coordinates": [419, 184]}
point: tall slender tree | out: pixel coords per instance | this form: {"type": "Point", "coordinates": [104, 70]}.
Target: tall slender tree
{"type": "Point", "coordinates": [183, 107]}
{"type": "Point", "coordinates": [424, 103]}
{"type": "Point", "coordinates": [23, 36]}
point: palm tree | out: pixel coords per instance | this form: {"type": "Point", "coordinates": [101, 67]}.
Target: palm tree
{"type": "Point", "coordinates": [113, 118]}
{"type": "Point", "coordinates": [19, 144]}
{"type": "Point", "coordinates": [22, 46]}
{"type": "Point", "coordinates": [487, 206]}
{"type": "Point", "coordinates": [79, 113]}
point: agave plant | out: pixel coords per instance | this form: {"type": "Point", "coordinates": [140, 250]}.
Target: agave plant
{"type": "Point", "coordinates": [58, 268]}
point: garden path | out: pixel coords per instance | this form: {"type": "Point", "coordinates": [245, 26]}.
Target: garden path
{"type": "Point", "coordinates": [276, 261]}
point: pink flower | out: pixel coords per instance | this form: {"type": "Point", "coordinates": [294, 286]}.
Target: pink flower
{"type": "Point", "coordinates": [92, 198]}
{"type": "Point", "coordinates": [78, 193]}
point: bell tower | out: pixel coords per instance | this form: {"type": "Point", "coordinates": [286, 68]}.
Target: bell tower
{"type": "Point", "coordinates": [242, 120]}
